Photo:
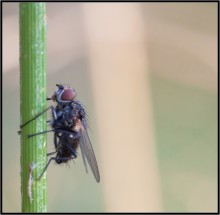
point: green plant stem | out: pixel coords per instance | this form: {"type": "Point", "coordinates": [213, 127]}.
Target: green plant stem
{"type": "Point", "coordinates": [33, 101]}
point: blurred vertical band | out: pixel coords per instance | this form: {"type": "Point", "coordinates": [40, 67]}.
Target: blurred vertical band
{"type": "Point", "coordinates": [118, 65]}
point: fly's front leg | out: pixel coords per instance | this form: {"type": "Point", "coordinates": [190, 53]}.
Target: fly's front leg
{"type": "Point", "coordinates": [54, 115]}
{"type": "Point", "coordinates": [38, 115]}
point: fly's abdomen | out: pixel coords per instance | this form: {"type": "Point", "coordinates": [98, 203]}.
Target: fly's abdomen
{"type": "Point", "coordinates": [67, 147]}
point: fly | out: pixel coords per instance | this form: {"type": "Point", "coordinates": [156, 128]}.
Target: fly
{"type": "Point", "coordinates": [69, 125]}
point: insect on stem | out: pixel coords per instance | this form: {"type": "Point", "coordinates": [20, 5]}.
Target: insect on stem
{"type": "Point", "coordinates": [69, 126]}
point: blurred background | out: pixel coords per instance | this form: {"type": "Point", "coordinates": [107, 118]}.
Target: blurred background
{"type": "Point", "coordinates": [147, 74]}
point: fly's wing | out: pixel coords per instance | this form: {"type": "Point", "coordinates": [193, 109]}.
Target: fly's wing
{"type": "Point", "coordinates": [87, 152]}
{"type": "Point", "coordinates": [82, 147]}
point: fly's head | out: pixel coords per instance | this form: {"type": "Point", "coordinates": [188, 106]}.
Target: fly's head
{"type": "Point", "coordinates": [64, 94]}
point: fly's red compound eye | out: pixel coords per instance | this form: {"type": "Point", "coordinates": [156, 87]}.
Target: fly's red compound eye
{"type": "Point", "coordinates": [68, 94]}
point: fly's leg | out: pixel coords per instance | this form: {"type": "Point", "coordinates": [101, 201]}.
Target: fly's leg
{"type": "Point", "coordinates": [45, 168]}
{"type": "Point", "coordinates": [51, 153]}
{"type": "Point", "coordinates": [57, 159]}
{"type": "Point", "coordinates": [77, 135]}
{"type": "Point", "coordinates": [54, 118]}
{"type": "Point", "coordinates": [38, 115]}
{"type": "Point", "coordinates": [43, 132]}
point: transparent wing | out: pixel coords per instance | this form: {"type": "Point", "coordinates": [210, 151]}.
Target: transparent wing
{"type": "Point", "coordinates": [88, 153]}
{"type": "Point", "coordinates": [82, 147]}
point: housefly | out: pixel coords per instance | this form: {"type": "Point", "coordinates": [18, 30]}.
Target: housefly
{"type": "Point", "coordinates": [69, 125]}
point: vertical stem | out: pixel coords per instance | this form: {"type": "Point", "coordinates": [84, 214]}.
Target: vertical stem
{"type": "Point", "coordinates": [33, 101]}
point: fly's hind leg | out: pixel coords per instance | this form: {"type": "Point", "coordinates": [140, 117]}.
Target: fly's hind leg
{"type": "Point", "coordinates": [45, 168]}
{"type": "Point", "coordinates": [58, 160]}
